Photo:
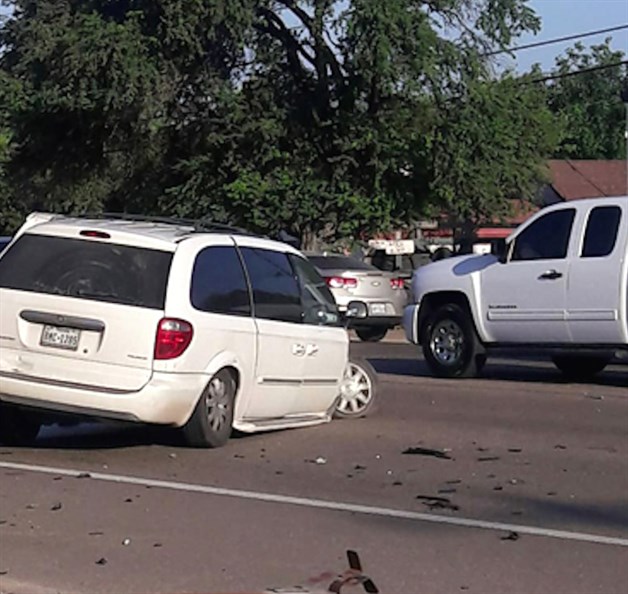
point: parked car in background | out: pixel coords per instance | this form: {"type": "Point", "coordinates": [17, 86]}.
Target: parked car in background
{"type": "Point", "coordinates": [205, 328]}
{"type": "Point", "coordinates": [350, 279]}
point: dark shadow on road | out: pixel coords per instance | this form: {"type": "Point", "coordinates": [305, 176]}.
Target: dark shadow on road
{"type": "Point", "coordinates": [107, 435]}
{"type": "Point", "coordinates": [510, 370]}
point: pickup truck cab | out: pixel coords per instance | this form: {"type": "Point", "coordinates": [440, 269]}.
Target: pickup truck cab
{"type": "Point", "coordinates": [561, 286]}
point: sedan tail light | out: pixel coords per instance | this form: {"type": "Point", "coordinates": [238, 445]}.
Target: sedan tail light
{"type": "Point", "coordinates": [340, 282]}
{"type": "Point", "coordinates": [173, 337]}
{"type": "Point", "coordinates": [396, 283]}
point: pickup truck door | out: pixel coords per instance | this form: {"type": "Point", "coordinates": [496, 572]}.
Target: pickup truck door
{"type": "Point", "coordinates": [597, 289]}
{"type": "Point", "coordinates": [524, 299]}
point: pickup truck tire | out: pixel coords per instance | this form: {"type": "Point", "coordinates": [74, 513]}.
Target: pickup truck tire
{"type": "Point", "coordinates": [580, 367]}
{"type": "Point", "coordinates": [371, 333]}
{"type": "Point", "coordinates": [211, 423]}
{"type": "Point", "coordinates": [17, 427]}
{"type": "Point", "coordinates": [451, 345]}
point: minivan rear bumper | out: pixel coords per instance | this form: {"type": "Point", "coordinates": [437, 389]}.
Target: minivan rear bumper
{"type": "Point", "coordinates": [167, 399]}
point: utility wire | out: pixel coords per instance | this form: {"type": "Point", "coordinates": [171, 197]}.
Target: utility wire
{"type": "Point", "coordinates": [518, 48]}
{"type": "Point", "coordinates": [574, 72]}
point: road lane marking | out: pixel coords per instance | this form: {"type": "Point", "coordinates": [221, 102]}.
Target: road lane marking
{"type": "Point", "coordinates": [321, 504]}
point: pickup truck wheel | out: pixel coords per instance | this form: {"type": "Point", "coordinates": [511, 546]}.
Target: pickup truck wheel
{"type": "Point", "coordinates": [372, 333]}
{"type": "Point", "coordinates": [211, 422]}
{"type": "Point", "coordinates": [17, 427]}
{"type": "Point", "coordinates": [580, 367]}
{"type": "Point", "coordinates": [450, 343]}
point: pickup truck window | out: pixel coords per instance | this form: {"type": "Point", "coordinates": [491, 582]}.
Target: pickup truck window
{"type": "Point", "coordinates": [547, 238]}
{"type": "Point", "coordinates": [601, 233]}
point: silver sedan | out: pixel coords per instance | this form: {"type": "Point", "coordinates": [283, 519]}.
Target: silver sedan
{"type": "Point", "coordinates": [350, 279]}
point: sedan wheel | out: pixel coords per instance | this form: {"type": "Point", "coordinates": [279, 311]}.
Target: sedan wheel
{"type": "Point", "coordinates": [358, 390]}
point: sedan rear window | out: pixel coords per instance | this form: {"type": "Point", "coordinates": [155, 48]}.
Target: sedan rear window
{"type": "Point", "coordinates": [339, 262]}
{"type": "Point", "coordinates": [83, 269]}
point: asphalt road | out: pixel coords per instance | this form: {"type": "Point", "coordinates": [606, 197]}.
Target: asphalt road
{"type": "Point", "coordinates": [518, 484]}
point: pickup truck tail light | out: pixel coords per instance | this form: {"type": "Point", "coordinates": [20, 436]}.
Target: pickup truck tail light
{"type": "Point", "coordinates": [396, 283]}
{"type": "Point", "coordinates": [173, 338]}
{"type": "Point", "coordinates": [341, 282]}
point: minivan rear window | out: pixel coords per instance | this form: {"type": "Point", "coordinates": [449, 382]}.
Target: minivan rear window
{"type": "Point", "coordinates": [85, 269]}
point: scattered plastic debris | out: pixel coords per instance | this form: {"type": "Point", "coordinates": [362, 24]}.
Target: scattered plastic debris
{"type": "Point", "coordinates": [321, 460]}
{"type": "Point", "coordinates": [126, 542]}
{"type": "Point", "coordinates": [83, 475]}
{"type": "Point", "coordinates": [511, 536]}
{"type": "Point", "coordinates": [514, 450]}
{"type": "Point", "coordinates": [488, 458]}
{"type": "Point", "coordinates": [102, 561]}
{"type": "Point", "coordinates": [56, 506]}
{"type": "Point", "coordinates": [434, 502]}
{"type": "Point", "coordinates": [417, 451]}
{"type": "Point", "coordinates": [172, 455]}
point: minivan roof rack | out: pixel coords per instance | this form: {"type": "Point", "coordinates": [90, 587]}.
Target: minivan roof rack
{"type": "Point", "coordinates": [198, 225]}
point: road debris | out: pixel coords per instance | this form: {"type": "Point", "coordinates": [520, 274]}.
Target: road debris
{"type": "Point", "coordinates": [56, 506]}
{"type": "Point", "coordinates": [511, 536]}
{"type": "Point", "coordinates": [102, 561]}
{"type": "Point", "coordinates": [434, 502]}
{"type": "Point", "coordinates": [126, 542]}
{"type": "Point", "coordinates": [418, 451]}
{"type": "Point", "coordinates": [83, 475]}
{"type": "Point", "coordinates": [488, 458]}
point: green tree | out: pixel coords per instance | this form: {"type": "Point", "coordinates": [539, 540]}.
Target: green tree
{"type": "Point", "coordinates": [487, 149]}
{"type": "Point", "coordinates": [589, 105]}
{"type": "Point", "coordinates": [324, 117]}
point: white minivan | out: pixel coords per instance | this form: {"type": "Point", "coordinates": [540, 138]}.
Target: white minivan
{"type": "Point", "coordinates": [205, 328]}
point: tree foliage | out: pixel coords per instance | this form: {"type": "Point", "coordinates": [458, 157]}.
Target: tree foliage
{"type": "Point", "coordinates": [326, 118]}
{"type": "Point", "coordinates": [589, 105]}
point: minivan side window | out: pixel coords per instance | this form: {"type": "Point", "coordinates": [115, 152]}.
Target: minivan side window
{"type": "Point", "coordinates": [547, 238]}
{"type": "Point", "coordinates": [275, 288]}
{"type": "Point", "coordinates": [319, 305]}
{"type": "Point", "coordinates": [218, 282]}
{"type": "Point", "coordinates": [601, 233]}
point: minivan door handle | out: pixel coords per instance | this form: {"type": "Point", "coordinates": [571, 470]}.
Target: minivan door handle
{"type": "Point", "coordinates": [551, 275]}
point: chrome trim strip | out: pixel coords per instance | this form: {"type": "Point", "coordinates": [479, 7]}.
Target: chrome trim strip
{"type": "Point", "coordinates": [43, 317]}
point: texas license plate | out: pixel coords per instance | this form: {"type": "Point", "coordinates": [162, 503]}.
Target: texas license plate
{"type": "Point", "coordinates": [60, 338]}
{"type": "Point", "coordinates": [377, 309]}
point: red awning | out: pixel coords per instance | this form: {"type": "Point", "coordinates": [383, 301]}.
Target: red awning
{"type": "Point", "coordinates": [493, 233]}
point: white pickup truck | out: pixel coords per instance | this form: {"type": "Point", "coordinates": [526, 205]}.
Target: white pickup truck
{"type": "Point", "coordinates": [561, 286]}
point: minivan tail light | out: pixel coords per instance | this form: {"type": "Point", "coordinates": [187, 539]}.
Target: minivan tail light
{"type": "Point", "coordinates": [340, 282]}
{"type": "Point", "coordinates": [396, 283]}
{"type": "Point", "coordinates": [173, 337]}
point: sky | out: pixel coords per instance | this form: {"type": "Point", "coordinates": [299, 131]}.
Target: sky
{"type": "Point", "coordinates": [560, 18]}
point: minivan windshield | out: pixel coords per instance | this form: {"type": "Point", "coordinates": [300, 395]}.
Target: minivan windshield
{"type": "Point", "coordinates": [87, 269]}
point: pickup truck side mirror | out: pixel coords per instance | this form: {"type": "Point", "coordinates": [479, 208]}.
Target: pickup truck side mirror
{"type": "Point", "coordinates": [501, 250]}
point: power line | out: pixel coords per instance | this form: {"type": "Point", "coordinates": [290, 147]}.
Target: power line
{"type": "Point", "coordinates": [575, 72]}
{"type": "Point", "coordinates": [518, 48]}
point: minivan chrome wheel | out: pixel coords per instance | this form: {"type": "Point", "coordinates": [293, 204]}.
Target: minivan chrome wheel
{"type": "Point", "coordinates": [358, 390]}
{"type": "Point", "coordinates": [211, 422]}
{"type": "Point", "coordinates": [217, 402]}
{"type": "Point", "coordinates": [447, 342]}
